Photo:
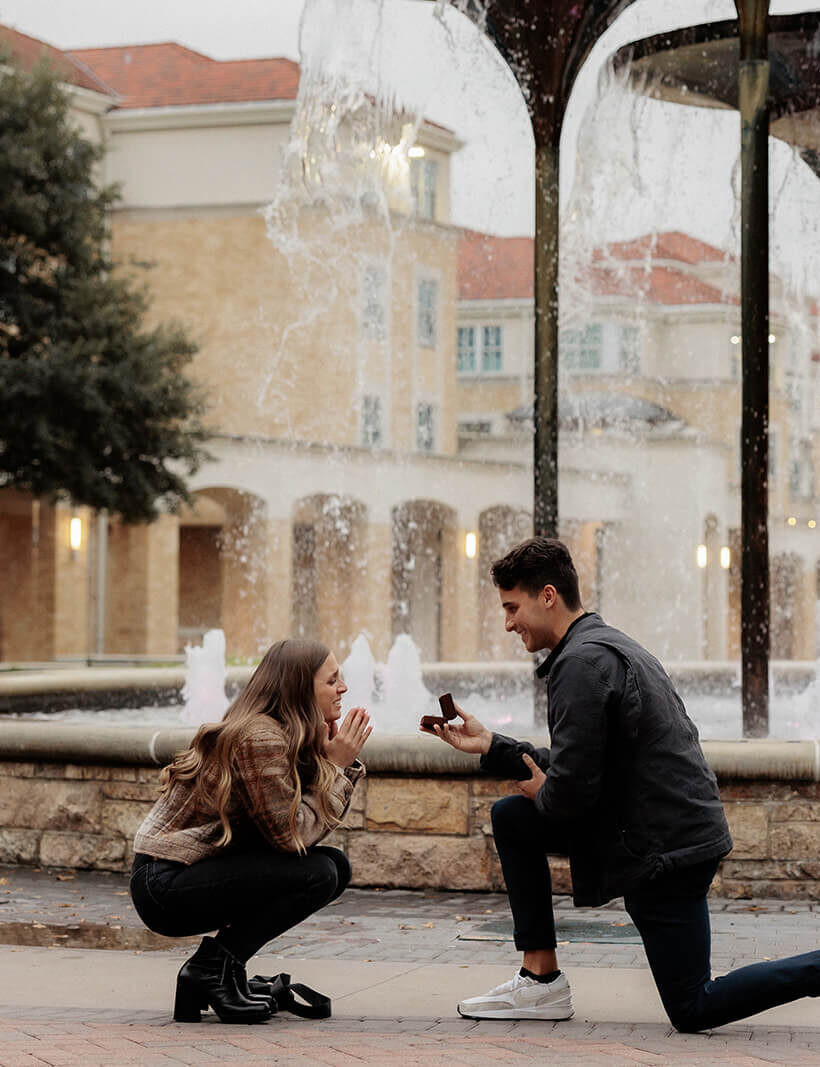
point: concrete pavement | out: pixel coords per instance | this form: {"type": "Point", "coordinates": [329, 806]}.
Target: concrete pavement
{"type": "Point", "coordinates": [395, 964]}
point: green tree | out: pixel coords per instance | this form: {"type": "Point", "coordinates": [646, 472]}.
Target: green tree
{"type": "Point", "coordinates": [93, 405]}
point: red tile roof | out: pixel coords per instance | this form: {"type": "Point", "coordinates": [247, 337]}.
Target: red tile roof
{"type": "Point", "coordinates": [501, 268]}
{"type": "Point", "coordinates": [660, 285]}
{"type": "Point", "coordinates": [170, 75]}
{"type": "Point", "coordinates": [494, 268]}
{"type": "Point", "coordinates": [671, 244]}
{"type": "Point", "coordinates": [27, 52]}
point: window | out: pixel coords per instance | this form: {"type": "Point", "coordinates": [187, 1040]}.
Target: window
{"type": "Point", "coordinates": [794, 391]}
{"type": "Point", "coordinates": [600, 348]}
{"type": "Point", "coordinates": [372, 434]}
{"type": "Point", "coordinates": [374, 302]}
{"type": "Point", "coordinates": [423, 180]}
{"type": "Point", "coordinates": [801, 473]}
{"type": "Point", "coordinates": [583, 349]}
{"type": "Point", "coordinates": [629, 354]}
{"type": "Point", "coordinates": [486, 357]}
{"type": "Point", "coordinates": [491, 349]}
{"type": "Point", "coordinates": [483, 427]}
{"type": "Point", "coordinates": [425, 427]}
{"type": "Point", "coordinates": [426, 325]}
{"type": "Point", "coordinates": [466, 350]}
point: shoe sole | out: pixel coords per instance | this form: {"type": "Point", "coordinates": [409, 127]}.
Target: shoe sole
{"type": "Point", "coordinates": [555, 1014]}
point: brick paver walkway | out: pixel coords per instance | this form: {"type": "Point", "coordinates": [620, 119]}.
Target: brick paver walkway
{"type": "Point", "coordinates": [52, 908]}
{"type": "Point", "coordinates": [151, 1040]}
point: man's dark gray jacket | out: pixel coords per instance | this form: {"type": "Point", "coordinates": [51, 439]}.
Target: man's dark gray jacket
{"type": "Point", "coordinates": [625, 771]}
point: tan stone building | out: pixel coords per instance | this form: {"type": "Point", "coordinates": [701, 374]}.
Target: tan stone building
{"type": "Point", "coordinates": [649, 372]}
{"type": "Point", "coordinates": [335, 500]}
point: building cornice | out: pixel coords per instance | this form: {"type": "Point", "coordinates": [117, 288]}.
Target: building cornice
{"type": "Point", "coordinates": [124, 212]}
{"type": "Point", "coordinates": [510, 308]}
{"type": "Point", "coordinates": [361, 453]}
{"type": "Point", "coordinates": [89, 99]}
{"type": "Point", "coordinates": [437, 138]}
{"type": "Point", "coordinates": [248, 113]}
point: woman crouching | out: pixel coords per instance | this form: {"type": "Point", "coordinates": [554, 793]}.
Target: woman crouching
{"type": "Point", "coordinates": [232, 843]}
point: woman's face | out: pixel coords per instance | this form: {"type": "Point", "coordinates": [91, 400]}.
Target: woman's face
{"type": "Point", "coordinates": [329, 689]}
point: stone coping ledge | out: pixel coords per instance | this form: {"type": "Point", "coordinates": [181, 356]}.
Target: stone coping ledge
{"type": "Point", "coordinates": [81, 679]}
{"type": "Point", "coordinates": [26, 682]}
{"type": "Point", "coordinates": [400, 754]}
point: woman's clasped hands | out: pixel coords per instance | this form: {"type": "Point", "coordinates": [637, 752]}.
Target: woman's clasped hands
{"type": "Point", "coordinates": [346, 739]}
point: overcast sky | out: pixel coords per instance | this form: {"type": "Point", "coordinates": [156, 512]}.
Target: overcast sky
{"type": "Point", "coordinates": [628, 165]}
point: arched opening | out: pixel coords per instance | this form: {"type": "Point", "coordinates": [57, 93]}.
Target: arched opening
{"type": "Point", "coordinates": [22, 635]}
{"type": "Point", "coordinates": [328, 553]}
{"type": "Point", "coordinates": [223, 569]}
{"type": "Point", "coordinates": [787, 574]}
{"type": "Point", "coordinates": [200, 568]}
{"type": "Point", "coordinates": [423, 575]}
{"type": "Point", "coordinates": [499, 529]}
{"type": "Point", "coordinates": [713, 604]}
{"type": "Point", "coordinates": [586, 541]}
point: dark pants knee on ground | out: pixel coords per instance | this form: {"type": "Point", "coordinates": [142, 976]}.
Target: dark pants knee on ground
{"type": "Point", "coordinates": [671, 915]}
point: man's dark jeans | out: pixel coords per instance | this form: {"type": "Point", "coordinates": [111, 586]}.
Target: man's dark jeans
{"type": "Point", "coordinates": [671, 915]}
{"type": "Point", "coordinates": [249, 895]}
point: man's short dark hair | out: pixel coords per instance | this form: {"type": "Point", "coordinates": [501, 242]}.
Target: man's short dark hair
{"type": "Point", "coordinates": [538, 562]}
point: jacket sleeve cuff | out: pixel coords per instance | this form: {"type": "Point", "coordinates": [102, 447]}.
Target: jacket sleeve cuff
{"type": "Point", "coordinates": [355, 771]}
{"type": "Point", "coordinates": [503, 759]}
{"type": "Point", "coordinates": [498, 758]}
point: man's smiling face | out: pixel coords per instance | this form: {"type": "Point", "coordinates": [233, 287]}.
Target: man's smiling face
{"type": "Point", "coordinates": [529, 615]}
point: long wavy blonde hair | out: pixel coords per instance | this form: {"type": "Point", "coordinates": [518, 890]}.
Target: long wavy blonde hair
{"type": "Point", "coordinates": [281, 687]}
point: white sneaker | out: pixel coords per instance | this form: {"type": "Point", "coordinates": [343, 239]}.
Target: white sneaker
{"type": "Point", "coordinates": [522, 998]}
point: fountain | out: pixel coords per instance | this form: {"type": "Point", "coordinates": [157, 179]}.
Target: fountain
{"type": "Point", "coordinates": [203, 693]}
{"type": "Point", "coordinates": [393, 692]}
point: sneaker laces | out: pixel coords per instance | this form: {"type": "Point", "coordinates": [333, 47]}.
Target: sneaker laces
{"type": "Point", "coordinates": [517, 980]}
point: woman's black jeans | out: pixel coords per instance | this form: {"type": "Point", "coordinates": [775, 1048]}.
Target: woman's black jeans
{"type": "Point", "coordinates": [248, 895]}
{"type": "Point", "coordinates": [671, 915]}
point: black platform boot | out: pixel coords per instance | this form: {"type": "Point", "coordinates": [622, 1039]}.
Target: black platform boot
{"type": "Point", "coordinates": [208, 978]}
{"type": "Point", "coordinates": [254, 992]}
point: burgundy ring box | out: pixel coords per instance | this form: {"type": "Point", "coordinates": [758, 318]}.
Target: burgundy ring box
{"type": "Point", "coordinates": [448, 713]}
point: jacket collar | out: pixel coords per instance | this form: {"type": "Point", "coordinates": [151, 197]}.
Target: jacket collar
{"type": "Point", "coordinates": [546, 666]}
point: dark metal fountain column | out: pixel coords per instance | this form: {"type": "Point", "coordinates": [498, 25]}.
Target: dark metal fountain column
{"type": "Point", "coordinates": [545, 43]}
{"type": "Point", "coordinates": [753, 93]}
{"type": "Point", "coordinates": [545, 356]}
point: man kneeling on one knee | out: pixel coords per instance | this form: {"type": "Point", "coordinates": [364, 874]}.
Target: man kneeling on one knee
{"type": "Point", "coordinates": [625, 791]}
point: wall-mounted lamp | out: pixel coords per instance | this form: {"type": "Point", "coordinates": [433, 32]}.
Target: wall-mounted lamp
{"type": "Point", "coordinates": [725, 558]}
{"type": "Point", "coordinates": [416, 152]}
{"type": "Point", "coordinates": [75, 533]}
{"type": "Point", "coordinates": [792, 521]}
{"type": "Point", "coordinates": [812, 523]}
{"type": "Point", "coordinates": [701, 556]}
{"type": "Point", "coordinates": [470, 545]}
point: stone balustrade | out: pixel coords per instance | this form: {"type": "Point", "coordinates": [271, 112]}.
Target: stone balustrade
{"type": "Point", "coordinates": [72, 795]}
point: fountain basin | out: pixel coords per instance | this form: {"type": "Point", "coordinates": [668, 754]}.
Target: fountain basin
{"type": "Point", "coordinates": [498, 693]}
{"type": "Point", "coordinates": [73, 795]}
{"type": "Point", "coordinates": [100, 687]}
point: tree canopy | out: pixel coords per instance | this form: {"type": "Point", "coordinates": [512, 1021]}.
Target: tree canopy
{"type": "Point", "coordinates": [93, 405]}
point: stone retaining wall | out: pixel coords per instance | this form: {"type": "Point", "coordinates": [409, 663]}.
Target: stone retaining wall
{"type": "Point", "coordinates": [420, 819]}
